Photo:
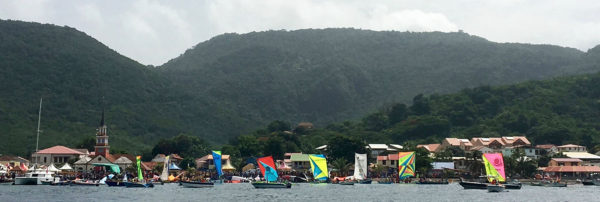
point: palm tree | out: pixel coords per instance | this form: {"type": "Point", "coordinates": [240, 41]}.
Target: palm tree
{"type": "Point", "coordinates": [341, 165]}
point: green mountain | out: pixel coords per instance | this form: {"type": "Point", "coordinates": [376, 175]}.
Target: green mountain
{"type": "Point", "coordinates": [233, 84]}
{"type": "Point", "coordinates": [75, 74]}
{"type": "Point", "coordinates": [324, 76]}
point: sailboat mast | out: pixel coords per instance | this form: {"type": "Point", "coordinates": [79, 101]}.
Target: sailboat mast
{"type": "Point", "coordinates": [37, 141]}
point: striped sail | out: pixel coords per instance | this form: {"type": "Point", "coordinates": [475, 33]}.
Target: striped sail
{"type": "Point", "coordinates": [406, 165]}
{"type": "Point", "coordinates": [318, 166]}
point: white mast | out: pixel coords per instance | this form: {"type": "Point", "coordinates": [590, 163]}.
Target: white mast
{"type": "Point", "coordinates": [38, 128]}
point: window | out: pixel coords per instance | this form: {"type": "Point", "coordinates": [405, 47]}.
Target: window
{"type": "Point", "coordinates": [384, 161]}
{"type": "Point", "coordinates": [44, 159]}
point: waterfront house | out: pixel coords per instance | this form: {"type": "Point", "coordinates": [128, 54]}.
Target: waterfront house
{"type": "Point", "coordinates": [55, 155]}
{"type": "Point", "coordinates": [587, 158]}
{"type": "Point", "coordinates": [377, 149]}
{"type": "Point", "coordinates": [207, 162]}
{"type": "Point", "coordinates": [13, 161]}
{"type": "Point", "coordinates": [390, 160]}
{"type": "Point", "coordinates": [299, 161]}
{"type": "Point", "coordinates": [530, 151]}
{"type": "Point", "coordinates": [571, 148]}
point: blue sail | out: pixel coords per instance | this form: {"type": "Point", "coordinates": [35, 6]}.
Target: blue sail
{"type": "Point", "coordinates": [270, 173]}
{"type": "Point", "coordinates": [217, 159]}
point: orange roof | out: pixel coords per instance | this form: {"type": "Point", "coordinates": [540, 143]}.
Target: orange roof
{"type": "Point", "coordinates": [429, 147]}
{"type": "Point", "coordinates": [175, 156]}
{"type": "Point", "coordinates": [573, 169]}
{"type": "Point", "coordinates": [59, 150]}
{"type": "Point", "coordinates": [513, 139]}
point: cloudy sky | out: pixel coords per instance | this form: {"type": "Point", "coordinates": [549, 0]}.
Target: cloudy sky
{"type": "Point", "coordinates": [152, 32]}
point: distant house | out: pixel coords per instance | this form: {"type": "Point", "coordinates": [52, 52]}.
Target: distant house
{"type": "Point", "coordinates": [549, 148]}
{"type": "Point", "coordinates": [529, 151]}
{"type": "Point", "coordinates": [587, 158]}
{"type": "Point", "coordinates": [463, 144]}
{"type": "Point", "coordinates": [86, 163]}
{"type": "Point", "coordinates": [207, 162]}
{"type": "Point", "coordinates": [390, 160]}
{"type": "Point", "coordinates": [431, 148]}
{"type": "Point", "coordinates": [493, 143]}
{"type": "Point", "coordinates": [13, 161]}
{"type": "Point", "coordinates": [483, 149]}
{"type": "Point", "coordinates": [55, 155]}
{"type": "Point", "coordinates": [565, 162]}
{"type": "Point", "coordinates": [571, 148]}
{"type": "Point", "coordinates": [299, 161]}
{"type": "Point", "coordinates": [377, 149]}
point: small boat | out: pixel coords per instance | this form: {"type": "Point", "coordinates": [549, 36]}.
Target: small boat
{"type": "Point", "coordinates": [495, 188]}
{"type": "Point", "coordinates": [346, 183]}
{"type": "Point", "coordinates": [267, 169]}
{"type": "Point", "coordinates": [138, 185]}
{"type": "Point", "coordinates": [473, 185]}
{"type": "Point", "coordinates": [271, 185]}
{"type": "Point", "coordinates": [513, 185]}
{"type": "Point", "coordinates": [83, 183]}
{"type": "Point", "coordinates": [588, 182]}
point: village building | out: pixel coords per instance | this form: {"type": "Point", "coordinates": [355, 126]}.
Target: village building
{"type": "Point", "coordinates": [390, 160]}
{"type": "Point", "coordinates": [587, 158]}
{"type": "Point", "coordinates": [101, 153]}
{"type": "Point", "coordinates": [377, 149]}
{"type": "Point", "coordinates": [530, 151]}
{"type": "Point", "coordinates": [571, 148]}
{"type": "Point", "coordinates": [431, 148]}
{"type": "Point", "coordinates": [300, 162]}
{"type": "Point", "coordinates": [207, 163]}
{"type": "Point", "coordinates": [570, 167]}
{"type": "Point", "coordinates": [565, 162]}
{"type": "Point", "coordinates": [549, 149]}
{"type": "Point", "coordinates": [55, 155]}
{"type": "Point", "coordinates": [463, 144]}
{"type": "Point", "coordinates": [13, 161]}
{"type": "Point", "coordinates": [483, 149]}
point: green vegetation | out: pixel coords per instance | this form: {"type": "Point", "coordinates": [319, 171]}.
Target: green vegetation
{"type": "Point", "coordinates": [233, 84]}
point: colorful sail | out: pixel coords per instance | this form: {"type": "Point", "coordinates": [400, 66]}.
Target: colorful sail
{"type": "Point", "coordinates": [267, 168]}
{"type": "Point", "coordinates": [360, 166]}
{"type": "Point", "coordinates": [406, 165]}
{"type": "Point", "coordinates": [217, 159]}
{"type": "Point", "coordinates": [139, 167]}
{"type": "Point", "coordinates": [164, 176]}
{"type": "Point", "coordinates": [318, 166]}
{"type": "Point", "coordinates": [494, 166]}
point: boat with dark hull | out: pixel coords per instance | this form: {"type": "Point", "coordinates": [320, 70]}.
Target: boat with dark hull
{"type": "Point", "coordinates": [271, 185]}
{"type": "Point", "coordinates": [473, 185]}
{"type": "Point", "coordinates": [138, 185]}
{"type": "Point", "coordinates": [192, 184]}
{"type": "Point", "coordinates": [367, 181]}
{"type": "Point", "coordinates": [115, 183]}
{"type": "Point", "coordinates": [442, 182]}
{"type": "Point", "coordinates": [495, 188]}
{"type": "Point", "coordinates": [84, 183]}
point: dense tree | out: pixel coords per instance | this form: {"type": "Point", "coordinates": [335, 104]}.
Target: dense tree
{"type": "Point", "coordinates": [341, 147]}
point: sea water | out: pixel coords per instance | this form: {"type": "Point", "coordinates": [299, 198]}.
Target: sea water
{"type": "Point", "coordinates": [298, 192]}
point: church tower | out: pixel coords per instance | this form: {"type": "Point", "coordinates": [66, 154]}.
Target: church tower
{"type": "Point", "coordinates": [102, 147]}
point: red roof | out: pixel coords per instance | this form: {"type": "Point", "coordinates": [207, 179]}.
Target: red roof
{"type": "Point", "coordinates": [59, 150]}
{"type": "Point", "coordinates": [388, 157]}
{"type": "Point", "coordinates": [573, 169]}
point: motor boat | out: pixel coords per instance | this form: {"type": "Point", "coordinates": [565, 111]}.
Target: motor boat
{"type": "Point", "coordinates": [35, 177]}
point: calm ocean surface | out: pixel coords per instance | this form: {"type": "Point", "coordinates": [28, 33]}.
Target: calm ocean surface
{"type": "Point", "coordinates": [299, 192]}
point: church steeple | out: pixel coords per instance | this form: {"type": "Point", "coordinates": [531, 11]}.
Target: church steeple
{"type": "Point", "coordinates": [102, 147]}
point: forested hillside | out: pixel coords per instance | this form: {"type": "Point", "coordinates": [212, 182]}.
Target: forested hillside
{"type": "Point", "coordinates": [323, 76]}
{"type": "Point", "coordinates": [558, 111]}
{"type": "Point", "coordinates": [74, 73]}
{"type": "Point", "coordinates": [234, 84]}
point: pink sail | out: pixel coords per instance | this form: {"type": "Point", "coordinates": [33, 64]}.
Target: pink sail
{"type": "Point", "coordinates": [495, 161]}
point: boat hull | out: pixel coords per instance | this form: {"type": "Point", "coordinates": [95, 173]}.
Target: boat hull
{"type": "Point", "coordinates": [473, 185]}
{"type": "Point", "coordinates": [197, 184]}
{"type": "Point", "coordinates": [27, 181]}
{"type": "Point", "coordinates": [346, 183]}
{"type": "Point", "coordinates": [513, 186]}
{"type": "Point", "coordinates": [265, 185]}
{"type": "Point", "coordinates": [84, 184]}
{"type": "Point", "coordinates": [367, 181]}
{"type": "Point", "coordinates": [495, 188]}
{"type": "Point", "coordinates": [114, 184]}
{"type": "Point", "coordinates": [138, 185]}
{"type": "Point", "coordinates": [428, 182]}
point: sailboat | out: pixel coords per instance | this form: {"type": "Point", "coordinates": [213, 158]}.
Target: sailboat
{"type": "Point", "coordinates": [139, 184]}
{"type": "Point", "coordinates": [268, 170]}
{"type": "Point", "coordinates": [217, 158]}
{"type": "Point", "coordinates": [360, 168]}
{"type": "Point", "coordinates": [406, 165]}
{"type": "Point", "coordinates": [164, 176]}
{"type": "Point", "coordinates": [318, 166]}
{"type": "Point", "coordinates": [494, 169]}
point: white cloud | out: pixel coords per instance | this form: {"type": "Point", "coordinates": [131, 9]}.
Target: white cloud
{"type": "Point", "coordinates": [152, 32]}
